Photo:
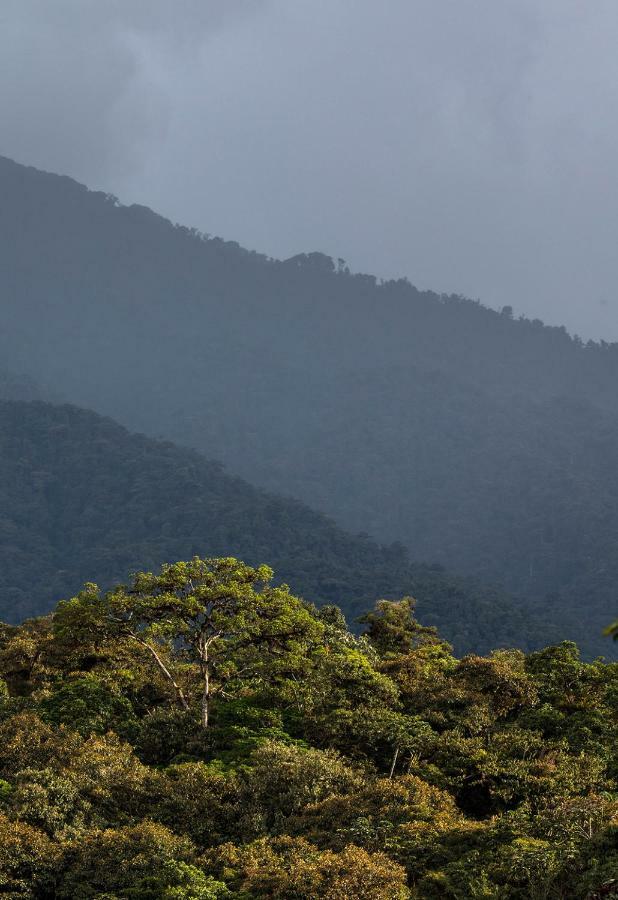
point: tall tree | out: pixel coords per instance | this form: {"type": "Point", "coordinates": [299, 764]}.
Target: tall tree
{"type": "Point", "coordinates": [211, 626]}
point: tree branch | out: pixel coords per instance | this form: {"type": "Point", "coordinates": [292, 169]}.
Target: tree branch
{"type": "Point", "coordinates": [166, 672]}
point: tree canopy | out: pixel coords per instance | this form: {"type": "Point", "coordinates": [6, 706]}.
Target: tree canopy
{"type": "Point", "coordinates": [222, 618]}
{"type": "Point", "coordinates": [330, 765]}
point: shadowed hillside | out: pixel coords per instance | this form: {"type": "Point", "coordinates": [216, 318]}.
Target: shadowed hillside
{"type": "Point", "coordinates": [479, 441]}
{"type": "Point", "coordinates": [82, 499]}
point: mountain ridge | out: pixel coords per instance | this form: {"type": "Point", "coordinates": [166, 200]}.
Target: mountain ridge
{"type": "Point", "coordinates": [82, 499]}
{"type": "Point", "coordinates": [412, 416]}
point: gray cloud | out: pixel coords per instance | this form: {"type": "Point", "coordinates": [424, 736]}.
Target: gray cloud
{"type": "Point", "coordinates": [84, 87]}
{"type": "Point", "coordinates": [469, 146]}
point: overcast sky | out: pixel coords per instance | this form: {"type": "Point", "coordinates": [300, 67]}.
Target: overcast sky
{"type": "Point", "coordinates": [472, 146]}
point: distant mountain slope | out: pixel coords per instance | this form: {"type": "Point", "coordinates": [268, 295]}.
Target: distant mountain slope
{"type": "Point", "coordinates": [89, 266]}
{"type": "Point", "coordinates": [82, 499]}
{"type": "Point", "coordinates": [482, 442]}
{"type": "Point", "coordinates": [15, 387]}
{"type": "Point", "coordinates": [513, 490]}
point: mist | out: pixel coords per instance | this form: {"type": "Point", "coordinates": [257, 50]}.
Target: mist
{"type": "Point", "coordinates": [469, 147]}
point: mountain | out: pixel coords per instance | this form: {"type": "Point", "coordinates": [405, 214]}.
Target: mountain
{"type": "Point", "coordinates": [482, 442]}
{"type": "Point", "coordinates": [14, 387]}
{"type": "Point", "coordinates": [81, 499]}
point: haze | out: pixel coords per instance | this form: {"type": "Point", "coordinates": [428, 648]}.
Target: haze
{"type": "Point", "coordinates": [470, 147]}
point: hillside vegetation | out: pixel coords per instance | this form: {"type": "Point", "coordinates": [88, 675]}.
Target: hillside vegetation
{"type": "Point", "coordinates": [484, 443]}
{"type": "Point", "coordinates": [200, 733]}
{"type": "Point", "coordinates": [81, 498]}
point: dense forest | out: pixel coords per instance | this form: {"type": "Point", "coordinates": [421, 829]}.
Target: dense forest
{"type": "Point", "coordinates": [482, 442]}
{"type": "Point", "coordinates": [81, 498]}
{"type": "Point", "coordinates": [203, 733]}
{"type": "Point", "coordinates": [433, 483]}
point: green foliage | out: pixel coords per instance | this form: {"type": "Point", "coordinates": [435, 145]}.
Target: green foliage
{"type": "Point", "coordinates": [392, 629]}
{"type": "Point", "coordinates": [292, 868]}
{"type": "Point", "coordinates": [332, 765]}
{"type": "Point", "coordinates": [223, 619]}
{"type": "Point", "coordinates": [144, 861]}
{"type": "Point", "coordinates": [88, 704]}
{"type": "Point", "coordinates": [28, 860]}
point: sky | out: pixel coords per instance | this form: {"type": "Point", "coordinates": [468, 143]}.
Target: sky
{"type": "Point", "coordinates": [472, 147]}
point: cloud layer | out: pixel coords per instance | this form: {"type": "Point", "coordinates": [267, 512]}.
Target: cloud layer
{"type": "Point", "coordinates": [469, 146]}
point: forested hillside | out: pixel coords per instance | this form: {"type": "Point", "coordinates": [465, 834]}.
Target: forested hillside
{"type": "Point", "coordinates": [81, 498]}
{"type": "Point", "coordinates": [69, 251]}
{"type": "Point", "coordinates": [200, 733]}
{"type": "Point", "coordinates": [480, 441]}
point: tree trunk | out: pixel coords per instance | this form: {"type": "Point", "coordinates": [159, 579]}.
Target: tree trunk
{"type": "Point", "coordinates": [205, 699]}
{"type": "Point", "coordinates": [394, 763]}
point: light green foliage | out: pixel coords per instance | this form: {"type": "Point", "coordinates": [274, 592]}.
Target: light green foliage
{"type": "Point", "coordinates": [146, 861]}
{"type": "Point", "coordinates": [218, 623]}
{"type": "Point", "coordinates": [332, 765]}
{"type": "Point", "coordinates": [393, 630]}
